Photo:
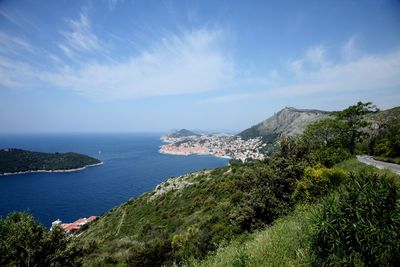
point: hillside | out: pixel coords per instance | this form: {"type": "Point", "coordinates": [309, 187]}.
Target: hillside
{"type": "Point", "coordinates": [18, 160]}
{"type": "Point", "coordinates": [289, 240]}
{"type": "Point", "coordinates": [287, 122]}
{"type": "Point", "coordinates": [182, 133]}
{"type": "Point", "coordinates": [385, 116]}
{"type": "Point", "coordinates": [309, 204]}
{"type": "Point", "coordinates": [189, 216]}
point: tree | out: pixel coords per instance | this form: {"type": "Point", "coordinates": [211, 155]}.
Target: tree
{"type": "Point", "coordinates": [332, 140]}
{"type": "Point", "coordinates": [353, 117]}
{"type": "Point", "coordinates": [25, 242]}
{"type": "Point", "coordinates": [326, 142]}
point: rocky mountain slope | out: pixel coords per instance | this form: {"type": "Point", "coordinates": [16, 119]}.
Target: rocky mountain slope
{"type": "Point", "coordinates": [287, 122]}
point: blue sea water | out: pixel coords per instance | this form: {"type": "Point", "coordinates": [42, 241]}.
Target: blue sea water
{"type": "Point", "coordinates": [132, 166]}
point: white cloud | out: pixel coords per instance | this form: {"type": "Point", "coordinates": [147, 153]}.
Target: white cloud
{"type": "Point", "coordinates": [16, 74]}
{"type": "Point", "coordinates": [350, 49]}
{"type": "Point", "coordinates": [183, 64]}
{"type": "Point", "coordinates": [364, 74]}
{"type": "Point", "coordinates": [79, 38]}
{"type": "Point", "coordinates": [20, 20]}
{"type": "Point", "coordinates": [315, 57]}
{"type": "Point", "coordinates": [113, 3]}
{"type": "Point", "coordinates": [12, 44]}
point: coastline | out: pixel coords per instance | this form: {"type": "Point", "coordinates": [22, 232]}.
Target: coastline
{"type": "Point", "coordinates": [53, 171]}
{"type": "Point", "coordinates": [192, 153]}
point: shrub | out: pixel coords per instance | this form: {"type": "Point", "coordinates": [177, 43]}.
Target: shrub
{"type": "Point", "coordinates": [317, 182]}
{"type": "Point", "coordinates": [267, 188]}
{"type": "Point", "coordinates": [360, 224]}
{"type": "Point", "coordinates": [152, 253]}
{"type": "Point", "coordinates": [25, 242]}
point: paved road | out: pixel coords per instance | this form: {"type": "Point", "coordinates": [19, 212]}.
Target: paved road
{"type": "Point", "coordinates": [379, 164]}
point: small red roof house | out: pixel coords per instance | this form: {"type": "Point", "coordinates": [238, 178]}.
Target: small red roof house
{"type": "Point", "coordinates": [75, 226]}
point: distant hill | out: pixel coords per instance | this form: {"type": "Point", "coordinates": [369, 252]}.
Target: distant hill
{"type": "Point", "coordinates": [17, 160]}
{"type": "Point", "coordinates": [287, 122]}
{"type": "Point", "coordinates": [182, 133]}
{"type": "Point", "coordinates": [384, 116]}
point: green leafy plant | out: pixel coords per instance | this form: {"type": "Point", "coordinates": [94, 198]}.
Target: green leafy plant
{"type": "Point", "coordinates": [360, 224]}
{"type": "Point", "coordinates": [25, 242]}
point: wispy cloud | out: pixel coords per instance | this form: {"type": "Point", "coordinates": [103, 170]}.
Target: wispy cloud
{"type": "Point", "coordinates": [188, 62]}
{"type": "Point", "coordinates": [314, 58]}
{"type": "Point", "coordinates": [362, 74]}
{"type": "Point", "coordinates": [12, 44]}
{"type": "Point", "coordinates": [350, 49]}
{"type": "Point", "coordinates": [16, 74]}
{"type": "Point", "coordinates": [79, 37]}
{"type": "Point", "coordinates": [112, 3]}
{"type": "Point", "coordinates": [17, 19]}
{"type": "Point", "coordinates": [175, 65]}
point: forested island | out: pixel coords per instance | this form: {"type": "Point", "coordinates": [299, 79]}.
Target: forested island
{"type": "Point", "coordinates": [18, 161]}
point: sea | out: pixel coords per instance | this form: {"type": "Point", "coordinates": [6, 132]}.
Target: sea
{"type": "Point", "coordinates": [132, 166]}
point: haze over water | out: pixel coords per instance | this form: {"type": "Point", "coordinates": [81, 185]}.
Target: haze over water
{"type": "Point", "coordinates": [132, 166]}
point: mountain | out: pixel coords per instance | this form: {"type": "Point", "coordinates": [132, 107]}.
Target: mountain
{"type": "Point", "coordinates": [287, 122]}
{"type": "Point", "coordinates": [182, 133]}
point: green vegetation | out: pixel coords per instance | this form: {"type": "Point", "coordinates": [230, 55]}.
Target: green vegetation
{"type": "Point", "coordinates": [309, 204]}
{"type": "Point", "coordinates": [182, 133]}
{"type": "Point", "coordinates": [285, 243]}
{"type": "Point", "coordinates": [189, 217]}
{"type": "Point", "coordinates": [355, 226]}
{"type": "Point", "coordinates": [162, 228]}
{"type": "Point", "coordinates": [25, 242]}
{"type": "Point", "coordinates": [318, 182]}
{"type": "Point", "coordinates": [360, 224]}
{"type": "Point", "coordinates": [17, 160]}
{"type": "Point", "coordinates": [387, 142]}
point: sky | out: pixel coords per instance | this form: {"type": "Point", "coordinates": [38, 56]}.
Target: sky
{"type": "Point", "coordinates": [154, 66]}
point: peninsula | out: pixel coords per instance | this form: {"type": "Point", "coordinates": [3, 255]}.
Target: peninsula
{"type": "Point", "coordinates": [18, 161]}
{"type": "Point", "coordinates": [220, 145]}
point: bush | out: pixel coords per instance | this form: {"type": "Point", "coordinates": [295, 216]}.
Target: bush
{"type": "Point", "coordinates": [360, 224]}
{"type": "Point", "coordinates": [317, 182]}
{"type": "Point", "coordinates": [148, 254]}
{"type": "Point", "coordinates": [25, 242]}
{"type": "Point", "coordinates": [329, 156]}
{"type": "Point", "coordinates": [267, 188]}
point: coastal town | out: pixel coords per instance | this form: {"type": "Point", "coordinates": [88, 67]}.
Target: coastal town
{"type": "Point", "coordinates": [220, 145]}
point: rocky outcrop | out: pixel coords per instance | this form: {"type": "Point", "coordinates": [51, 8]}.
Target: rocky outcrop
{"type": "Point", "coordinates": [287, 122]}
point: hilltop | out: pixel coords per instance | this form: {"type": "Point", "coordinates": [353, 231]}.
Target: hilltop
{"type": "Point", "coordinates": [287, 122]}
{"type": "Point", "coordinates": [15, 161]}
{"type": "Point", "coordinates": [182, 133]}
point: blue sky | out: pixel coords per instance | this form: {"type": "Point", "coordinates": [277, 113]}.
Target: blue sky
{"type": "Point", "coordinates": [146, 66]}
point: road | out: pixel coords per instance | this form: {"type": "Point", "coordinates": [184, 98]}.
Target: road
{"type": "Point", "coordinates": [379, 164]}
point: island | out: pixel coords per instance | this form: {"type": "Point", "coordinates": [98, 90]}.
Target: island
{"type": "Point", "coordinates": [18, 161]}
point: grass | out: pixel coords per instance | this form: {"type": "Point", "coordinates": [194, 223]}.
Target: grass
{"type": "Point", "coordinates": [284, 243]}
{"type": "Point", "coordinates": [287, 241]}
{"type": "Point", "coordinates": [355, 166]}
{"type": "Point", "coordinates": [142, 229]}
{"type": "Point", "coordinates": [142, 221]}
